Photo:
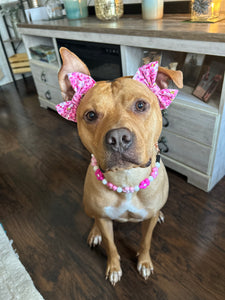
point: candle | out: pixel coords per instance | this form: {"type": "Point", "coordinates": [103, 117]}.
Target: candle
{"type": "Point", "coordinates": [152, 9]}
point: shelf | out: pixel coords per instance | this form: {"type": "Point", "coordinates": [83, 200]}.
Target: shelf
{"type": "Point", "coordinates": [13, 40]}
{"type": "Point", "coordinates": [19, 63]}
{"type": "Point", "coordinates": [44, 63]}
{"type": "Point", "coordinates": [185, 97]}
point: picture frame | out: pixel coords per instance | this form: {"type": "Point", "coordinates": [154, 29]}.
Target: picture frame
{"type": "Point", "coordinates": [192, 67]}
{"type": "Point", "coordinates": [210, 79]}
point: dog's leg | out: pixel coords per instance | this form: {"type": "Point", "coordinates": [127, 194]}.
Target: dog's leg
{"type": "Point", "coordinates": [95, 237]}
{"type": "Point", "coordinates": [113, 271]}
{"type": "Point", "coordinates": [145, 266]}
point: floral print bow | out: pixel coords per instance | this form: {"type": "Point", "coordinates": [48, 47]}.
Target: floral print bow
{"type": "Point", "coordinates": [81, 83]}
{"type": "Point", "coordinates": [147, 74]}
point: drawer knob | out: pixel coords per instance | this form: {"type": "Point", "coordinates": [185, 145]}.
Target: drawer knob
{"type": "Point", "coordinates": [165, 118]}
{"type": "Point", "coordinates": [48, 95]}
{"type": "Point", "coordinates": [163, 147]}
{"type": "Point", "coordinates": [43, 76]}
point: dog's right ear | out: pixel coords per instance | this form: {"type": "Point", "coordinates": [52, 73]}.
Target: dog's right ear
{"type": "Point", "coordinates": [71, 63]}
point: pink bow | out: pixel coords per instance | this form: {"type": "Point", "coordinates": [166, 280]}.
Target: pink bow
{"type": "Point", "coordinates": [147, 74]}
{"type": "Point", "coordinates": [81, 83]}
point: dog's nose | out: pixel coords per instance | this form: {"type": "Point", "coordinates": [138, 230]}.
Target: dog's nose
{"type": "Point", "coordinates": [119, 140]}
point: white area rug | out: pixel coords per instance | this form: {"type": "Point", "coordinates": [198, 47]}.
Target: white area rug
{"type": "Point", "coordinates": [15, 282]}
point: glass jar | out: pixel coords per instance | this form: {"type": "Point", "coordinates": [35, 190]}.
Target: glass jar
{"type": "Point", "coordinates": [54, 9]}
{"type": "Point", "coordinates": [109, 10]}
{"type": "Point", "coordinates": [76, 9]}
{"type": "Point", "coordinates": [203, 10]}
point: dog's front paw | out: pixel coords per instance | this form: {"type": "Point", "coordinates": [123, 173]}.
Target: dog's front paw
{"type": "Point", "coordinates": [94, 240]}
{"type": "Point", "coordinates": [145, 269]}
{"type": "Point", "coordinates": [95, 237]}
{"type": "Point", "coordinates": [145, 266]}
{"type": "Point", "coordinates": [113, 273]}
{"type": "Point", "coordinates": [161, 218]}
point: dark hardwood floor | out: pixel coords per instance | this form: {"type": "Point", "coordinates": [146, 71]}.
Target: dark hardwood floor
{"type": "Point", "coordinates": [42, 171]}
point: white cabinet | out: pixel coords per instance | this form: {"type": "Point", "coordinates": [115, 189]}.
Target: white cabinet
{"type": "Point", "coordinates": [194, 135]}
{"type": "Point", "coordinates": [45, 74]}
{"type": "Point", "coordinates": [46, 81]}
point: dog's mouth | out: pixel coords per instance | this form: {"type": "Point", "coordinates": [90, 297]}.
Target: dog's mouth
{"type": "Point", "coordinates": [119, 161]}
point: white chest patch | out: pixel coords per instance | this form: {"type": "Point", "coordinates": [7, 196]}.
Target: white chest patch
{"type": "Point", "coordinates": [126, 206]}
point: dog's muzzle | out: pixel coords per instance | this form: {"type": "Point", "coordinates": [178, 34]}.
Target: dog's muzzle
{"type": "Point", "coordinates": [120, 149]}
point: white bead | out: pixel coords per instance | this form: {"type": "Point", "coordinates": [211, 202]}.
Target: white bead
{"type": "Point", "coordinates": [119, 189]}
{"type": "Point", "coordinates": [157, 164]}
{"type": "Point", "coordinates": [104, 181]}
{"type": "Point", "coordinates": [95, 168]}
{"type": "Point", "coordinates": [150, 178]}
{"type": "Point", "coordinates": [136, 188]}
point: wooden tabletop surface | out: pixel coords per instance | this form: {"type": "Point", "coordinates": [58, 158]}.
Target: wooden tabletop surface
{"type": "Point", "coordinates": [171, 26]}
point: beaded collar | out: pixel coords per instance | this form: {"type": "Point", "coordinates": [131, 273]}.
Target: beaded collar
{"type": "Point", "coordinates": [125, 189]}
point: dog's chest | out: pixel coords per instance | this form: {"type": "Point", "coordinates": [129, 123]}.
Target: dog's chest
{"type": "Point", "coordinates": [126, 210]}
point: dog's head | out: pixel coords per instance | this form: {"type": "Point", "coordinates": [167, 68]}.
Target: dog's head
{"type": "Point", "coordinates": [118, 121]}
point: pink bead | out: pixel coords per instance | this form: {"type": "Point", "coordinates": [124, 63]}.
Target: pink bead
{"type": "Point", "coordinates": [131, 188]}
{"type": "Point", "coordinates": [110, 185]}
{"type": "Point", "coordinates": [93, 161]}
{"type": "Point", "coordinates": [126, 189]}
{"type": "Point", "coordinates": [154, 172]}
{"type": "Point", "coordinates": [99, 175]}
{"type": "Point", "coordinates": [144, 183]}
{"type": "Point", "coordinates": [114, 187]}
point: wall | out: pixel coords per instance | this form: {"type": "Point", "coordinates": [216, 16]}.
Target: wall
{"type": "Point", "coordinates": [223, 6]}
{"type": "Point", "coordinates": [3, 62]}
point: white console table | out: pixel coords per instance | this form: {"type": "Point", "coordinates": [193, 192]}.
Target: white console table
{"type": "Point", "coordinates": [196, 132]}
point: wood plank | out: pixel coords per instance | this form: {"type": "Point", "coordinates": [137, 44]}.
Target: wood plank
{"type": "Point", "coordinates": [20, 64]}
{"type": "Point", "coordinates": [21, 70]}
{"type": "Point", "coordinates": [18, 57]}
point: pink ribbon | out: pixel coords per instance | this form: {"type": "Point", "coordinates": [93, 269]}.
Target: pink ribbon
{"type": "Point", "coordinates": [81, 83]}
{"type": "Point", "coordinates": [147, 74]}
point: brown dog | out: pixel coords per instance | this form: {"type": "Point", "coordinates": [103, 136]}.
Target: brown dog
{"type": "Point", "coordinates": [120, 123]}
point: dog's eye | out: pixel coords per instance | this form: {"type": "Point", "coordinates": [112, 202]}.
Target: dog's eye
{"type": "Point", "coordinates": [140, 106]}
{"type": "Point", "coordinates": [91, 116]}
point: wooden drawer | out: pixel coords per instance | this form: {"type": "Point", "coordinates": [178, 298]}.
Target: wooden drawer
{"type": "Point", "coordinates": [190, 123]}
{"type": "Point", "coordinates": [45, 73]}
{"type": "Point", "coordinates": [186, 151]}
{"type": "Point", "coordinates": [47, 92]}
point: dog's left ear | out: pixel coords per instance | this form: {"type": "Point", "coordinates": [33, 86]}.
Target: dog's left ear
{"type": "Point", "coordinates": [164, 75]}
{"type": "Point", "coordinates": [71, 63]}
